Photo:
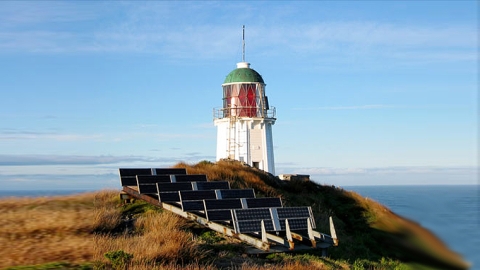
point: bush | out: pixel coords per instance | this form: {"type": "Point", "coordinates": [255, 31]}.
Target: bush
{"type": "Point", "coordinates": [119, 259]}
{"type": "Point", "coordinates": [210, 237]}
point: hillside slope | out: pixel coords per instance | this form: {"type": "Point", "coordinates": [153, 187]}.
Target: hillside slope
{"type": "Point", "coordinates": [366, 229]}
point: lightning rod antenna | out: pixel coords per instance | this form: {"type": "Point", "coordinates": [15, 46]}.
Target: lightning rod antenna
{"type": "Point", "coordinates": [243, 44]}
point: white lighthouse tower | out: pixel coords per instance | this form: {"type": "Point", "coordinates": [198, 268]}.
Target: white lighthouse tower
{"type": "Point", "coordinates": [244, 123]}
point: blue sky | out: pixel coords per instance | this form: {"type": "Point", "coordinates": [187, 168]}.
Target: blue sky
{"type": "Point", "coordinates": [366, 93]}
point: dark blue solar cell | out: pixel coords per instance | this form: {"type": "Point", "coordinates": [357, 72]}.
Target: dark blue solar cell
{"type": "Point", "coordinates": [212, 185]}
{"type": "Point", "coordinates": [264, 202]}
{"type": "Point", "coordinates": [247, 226]}
{"type": "Point", "coordinates": [295, 224]}
{"type": "Point", "coordinates": [168, 197]}
{"type": "Point", "coordinates": [294, 212]}
{"type": "Point", "coordinates": [147, 189]}
{"type": "Point", "coordinates": [164, 187]}
{"type": "Point", "coordinates": [153, 179]}
{"type": "Point", "coordinates": [192, 206]}
{"type": "Point", "coordinates": [191, 178]}
{"type": "Point", "coordinates": [237, 193]}
{"type": "Point", "coordinates": [223, 204]}
{"type": "Point", "coordinates": [219, 215]}
{"type": "Point", "coordinates": [252, 214]}
{"type": "Point", "coordinates": [128, 180]}
{"type": "Point", "coordinates": [193, 195]}
{"type": "Point", "coordinates": [134, 171]}
{"type": "Point", "coordinates": [167, 171]}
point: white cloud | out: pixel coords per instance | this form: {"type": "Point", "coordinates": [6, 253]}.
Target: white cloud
{"type": "Point", "coordinates": [180, 32]}
{"type": "Point", "coordinates": [33, 160]}
{"type": "Point", "coordinates": [14, 14]}
{"type": "Point", "coordinates": [80, 160]}
{"type": "Point", "coordinates": [16, 134]}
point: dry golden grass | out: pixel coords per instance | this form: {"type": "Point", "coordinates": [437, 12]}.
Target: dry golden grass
{"type": "Point", "coordinates": [160, 238]}
{"type": "Point", "coordinates": [40, 230]}
{"type": "Point", "coordinates": [77, 229]}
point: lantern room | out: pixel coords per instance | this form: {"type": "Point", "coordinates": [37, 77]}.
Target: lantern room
{"type": "Point", "coordinates": [244, 93]}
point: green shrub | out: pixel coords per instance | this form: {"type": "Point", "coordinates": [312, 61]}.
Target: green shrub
{"type": "Point", "coordinates": [119, 259]}
{"type": "Point", "coordinates": [210, 237]}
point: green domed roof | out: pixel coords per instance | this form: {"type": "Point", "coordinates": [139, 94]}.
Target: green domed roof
{"type": "Point", "coordinates": [243, 73]}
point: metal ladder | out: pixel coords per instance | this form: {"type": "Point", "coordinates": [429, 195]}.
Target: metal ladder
{"type": "Point", "coordinates": [231, 143]}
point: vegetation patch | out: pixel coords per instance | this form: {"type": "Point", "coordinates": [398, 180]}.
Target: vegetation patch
{"type": "Point", "coordinates": [98, 231]}
{"type": "Point", "coordinates": [53, 266]}
{"type": "Point", "coordinates": [119, 259]}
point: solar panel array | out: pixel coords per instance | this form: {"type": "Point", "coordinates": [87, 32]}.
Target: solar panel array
{"type": "Point", "coordinates": [239, 207]}
{"type": "Point", "coordinates": [249, 220]}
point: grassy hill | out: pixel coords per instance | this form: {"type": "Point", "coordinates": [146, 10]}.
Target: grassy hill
{"type": "Point", "coordinates": [96, 231]}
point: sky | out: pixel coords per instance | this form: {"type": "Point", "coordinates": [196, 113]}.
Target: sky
{"type": "Point", "coordinates": [366, 93]}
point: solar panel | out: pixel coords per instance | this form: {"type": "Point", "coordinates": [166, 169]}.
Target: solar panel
{"type": "Point", "coordinates": [167, 171]}
{"type": "Point", "coordinates": [152, 179]}
{"type": "Point", "coordinates": [263, 202]}
{"type": "Point", "coordinates": [149, 188]}
{"type": "Point", "coordinates": [134, 171]}
{"type": "Point", "coordinates": [223, 204]}
{"type": "Point", "coordinates": [248, 226]}
{"type": "Point", "coordinates": [192, 205]}
{"type": "Point", "coordinates": [128, 180]}
{"type": "Point", "coordinates": [219, 215]}
{"type": "Point", "coordinates": [237, 193]}
{"type": "Point", "coordinates": [294, 212]}
{"type": "Point", "coordinates": [191, 178]}
{"type": "Point", "coordinates": [252, 214]}
{"type": "Point", "coordinates": [295, 224]}
{"type": "Point", "coordinates": [213, 185]}
{"type": "Point", "coordinates": [168, 197]}
{"type": "Point", "coordinates": [165, 187]}
{"type": "Point", "coordinates": [194, 195]}
{"type": "Point", "coordinates": [128, 175]}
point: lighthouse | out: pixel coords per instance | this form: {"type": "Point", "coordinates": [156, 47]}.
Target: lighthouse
{"type": "Point", "coordinates": [244, 122]}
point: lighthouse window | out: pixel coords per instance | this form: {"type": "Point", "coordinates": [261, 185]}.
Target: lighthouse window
{"type": "Point", "coordinates": [256, 164]}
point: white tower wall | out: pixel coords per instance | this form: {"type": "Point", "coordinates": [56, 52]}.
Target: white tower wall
{"type": "Point", "coordinates": [248, 140]}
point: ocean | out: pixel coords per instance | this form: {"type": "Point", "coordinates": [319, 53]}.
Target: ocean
{"type": "Point", "coordinates": [450, 212]}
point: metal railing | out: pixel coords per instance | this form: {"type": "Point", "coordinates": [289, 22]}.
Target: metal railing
{"type": "Point", "coordinates": [219, 113]}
